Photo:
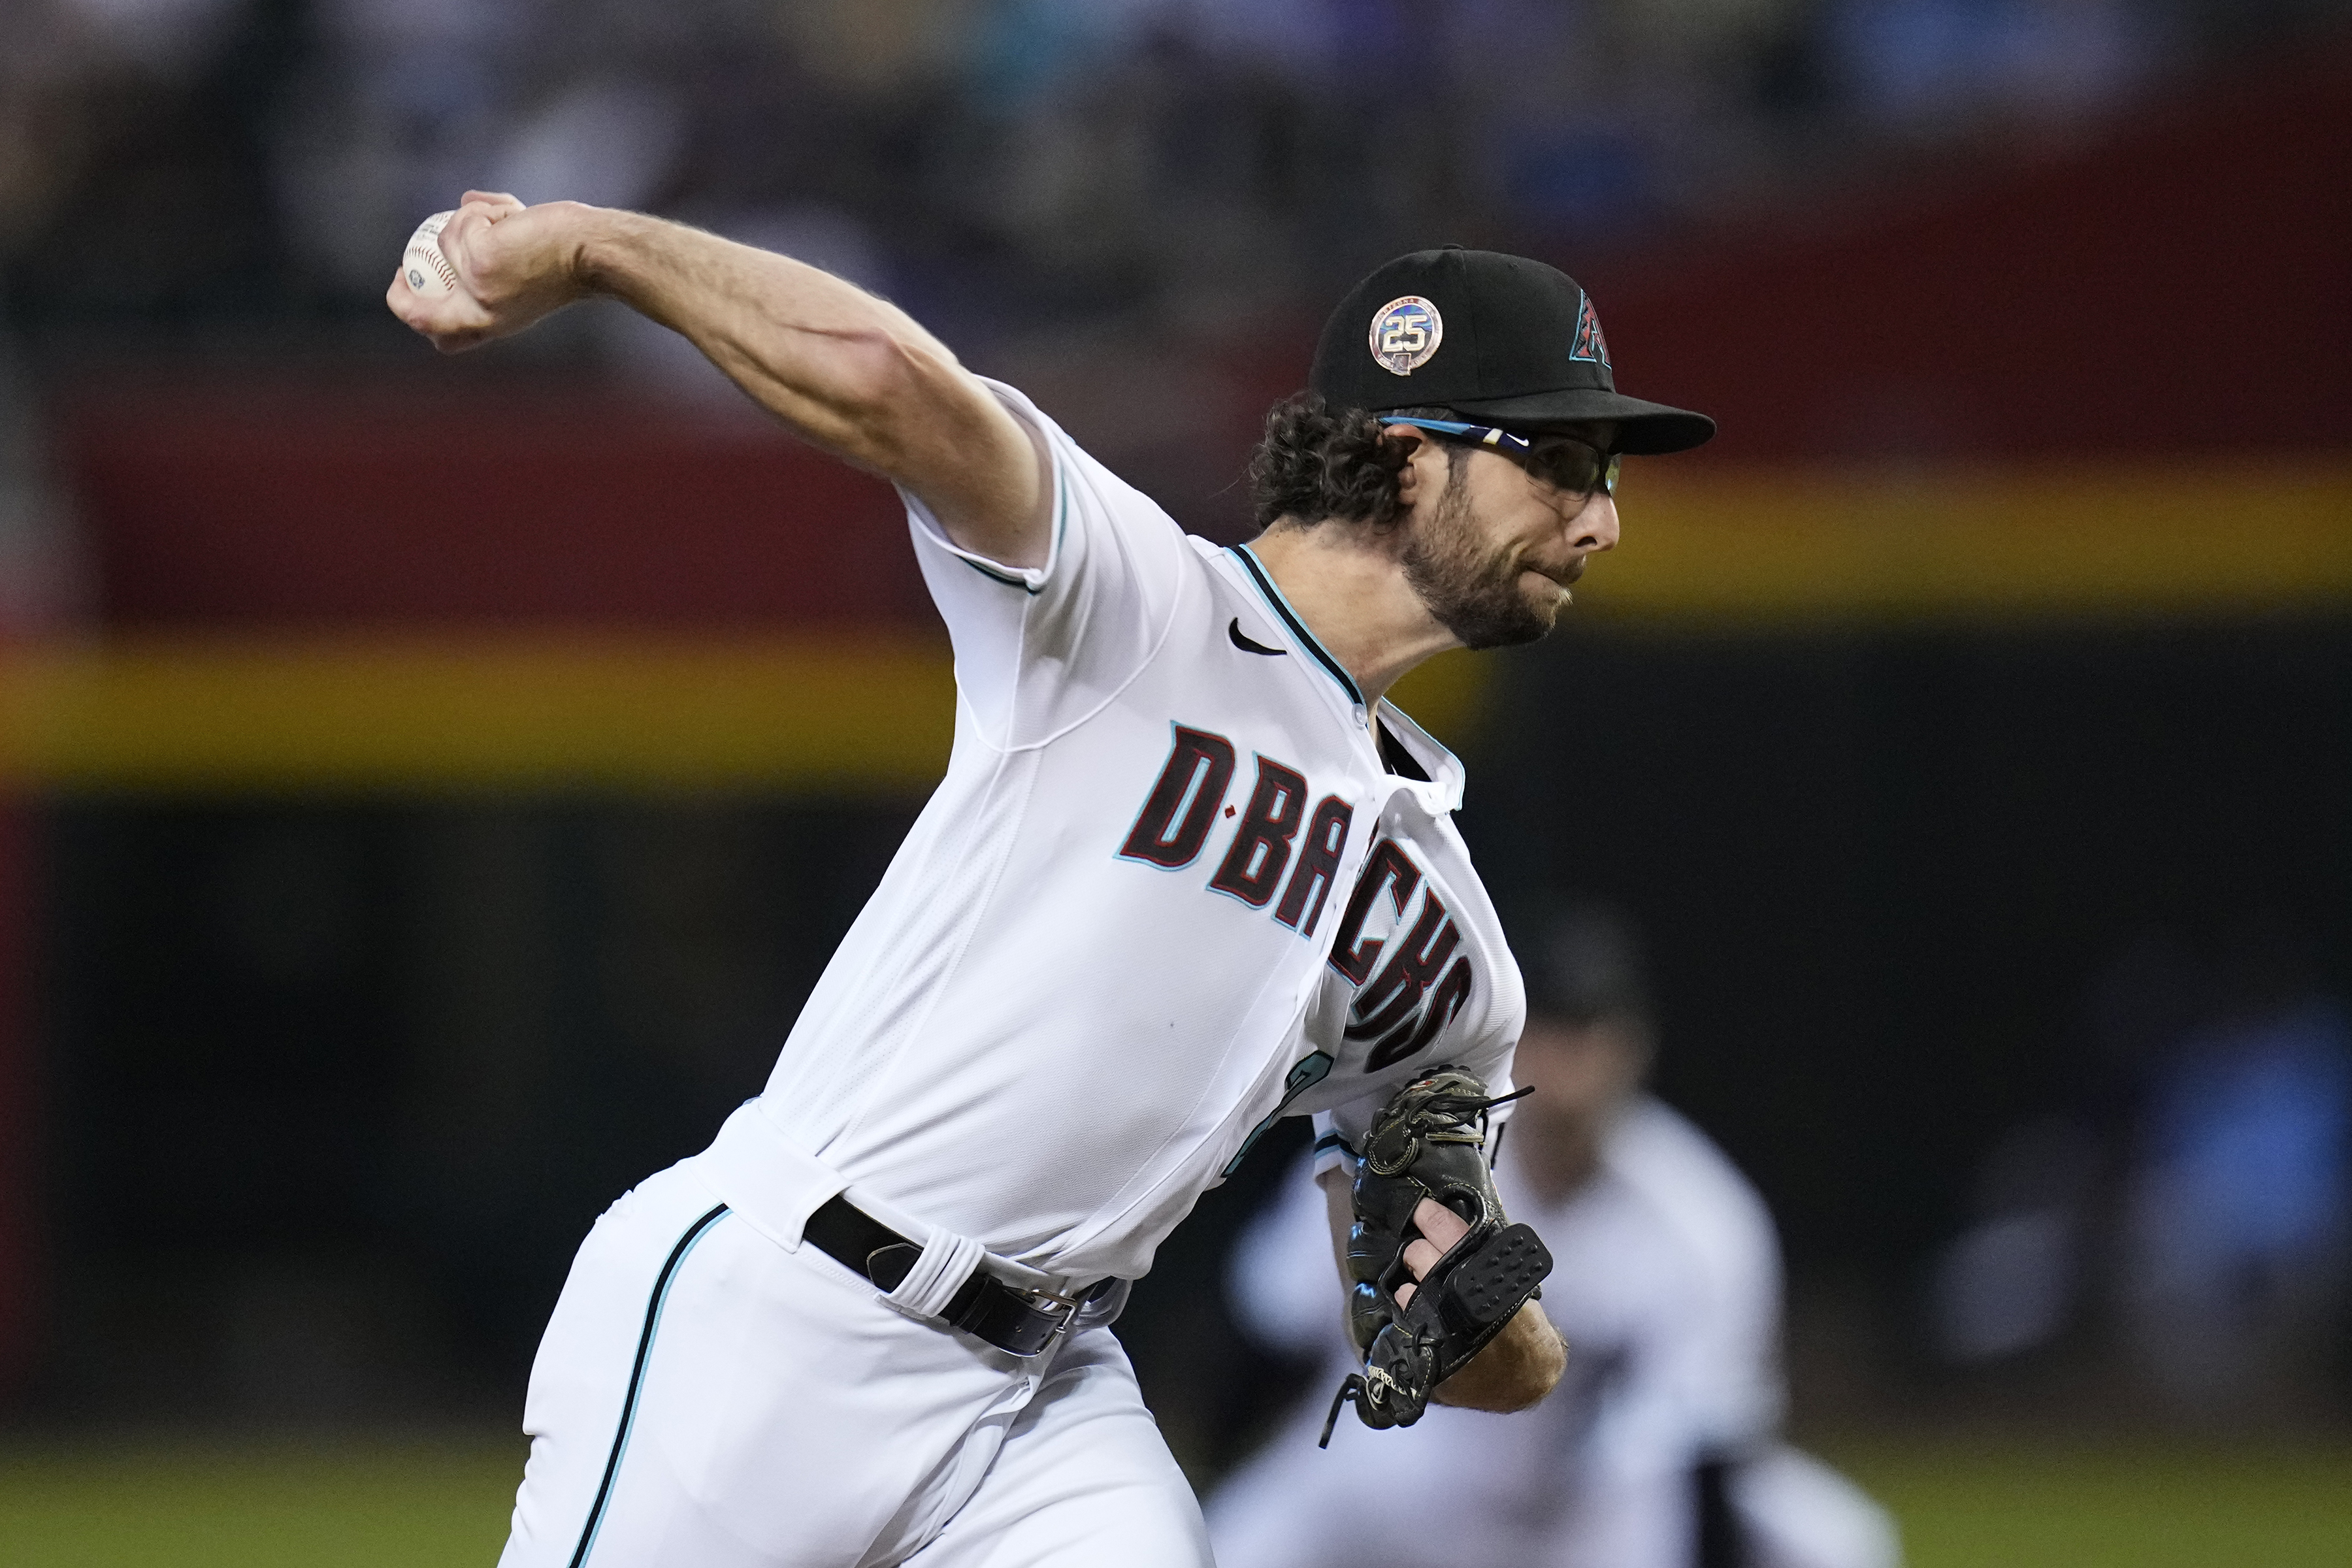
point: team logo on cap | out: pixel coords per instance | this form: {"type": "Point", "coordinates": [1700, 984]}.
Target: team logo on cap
{"type": "Point", "coordinates": [1404, 334]}
{"type": "Point", "coordinates": [1590, 344]}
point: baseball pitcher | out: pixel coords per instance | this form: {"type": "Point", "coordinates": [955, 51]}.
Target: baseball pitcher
{"type": "Point", "coordinates": [1188, 873]}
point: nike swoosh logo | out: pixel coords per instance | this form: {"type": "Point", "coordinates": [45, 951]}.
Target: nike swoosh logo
{"type": "Point", "coordinates": [1242, 643]}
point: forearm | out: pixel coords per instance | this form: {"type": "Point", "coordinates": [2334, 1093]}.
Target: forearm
{"type": "Point", "coordinates": [1517, 1368]}
{"type": "Point", "coordinates": [847, 370]}
{"type": "Point", "coordinates": [852, 373]}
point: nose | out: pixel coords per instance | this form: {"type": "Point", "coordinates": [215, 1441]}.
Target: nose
{"type": "Point", "coordinates": [1595, 529]}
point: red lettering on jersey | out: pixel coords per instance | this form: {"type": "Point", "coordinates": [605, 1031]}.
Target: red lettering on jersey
{"type": "Point", "coordinates": [1395, 997]}
{"type": "Point", "coordinates": [1388, 866]}
{"type": "Point", "coordinates": [1176, 816]}
{"type": "Point", "coordinates": [1408, 1006]}
{"type": "Point", "coordinates": [1443, 1003]}
{"type": "Point", "coordinates": [1261, 848]}
{"type": "Point", "coordinates": [1319, 858]}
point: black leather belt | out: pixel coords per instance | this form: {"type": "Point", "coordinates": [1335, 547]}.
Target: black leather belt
{"type": "Point", "coordinates": [1021, 1321]}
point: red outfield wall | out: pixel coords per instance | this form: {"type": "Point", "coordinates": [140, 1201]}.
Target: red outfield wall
{"type": "Point", "coordinates": [2179, 288]}
{"type": "Point", "coordinates": [321, 506]}
{"type": "Point", "coordinates": [2183, 283]}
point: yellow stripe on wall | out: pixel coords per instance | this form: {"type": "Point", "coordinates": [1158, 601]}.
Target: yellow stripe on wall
{"type": "Point", "coordinates": [875, 714]}
{"type": "Point", "coordinates": [2230, 537]}
{"type": "Point", "coordinates": [214, 716]}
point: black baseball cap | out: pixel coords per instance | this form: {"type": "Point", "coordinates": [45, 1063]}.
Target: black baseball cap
{"type": "Point", "coordinates": [1492, 337]}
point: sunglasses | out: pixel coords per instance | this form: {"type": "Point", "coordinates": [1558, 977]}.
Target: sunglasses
{"type": "Point", "coordinates": [1564, 462]}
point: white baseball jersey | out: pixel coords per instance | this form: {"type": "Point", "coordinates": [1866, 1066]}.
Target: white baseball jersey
{"type": "Point", "coordinates": [1170, 888]}
{"type": "Point", "coordinates": [1667, 1286]}
{"type": "Point", "coordinates": [1173, 885]}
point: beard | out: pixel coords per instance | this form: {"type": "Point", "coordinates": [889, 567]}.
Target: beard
{"type": "Point", "coordinates": [1472, 590]}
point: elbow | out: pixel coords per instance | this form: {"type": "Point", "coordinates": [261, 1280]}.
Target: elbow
{"type": "Point", "coordinates": [856, 385]}
{"type": "Point", "coordinates": [876, 377]}
{"type": "Point", "coordinates": [891, 389]}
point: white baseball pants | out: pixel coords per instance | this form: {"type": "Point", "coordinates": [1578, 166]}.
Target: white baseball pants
{"type": "Point", "coordinates": [706, 1398]}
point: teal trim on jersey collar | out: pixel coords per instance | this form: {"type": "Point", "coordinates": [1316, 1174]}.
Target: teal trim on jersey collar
{"type": "Point", "coordinates": [1451, 778]}
{"type": "Point", "coordinates": [1291, 618]}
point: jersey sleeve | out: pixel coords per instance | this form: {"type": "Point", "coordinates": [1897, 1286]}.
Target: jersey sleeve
{"type": "Point", "coordinates": [1333, 1149]}
{"type": "Point", "coordinates": [1040, 648]}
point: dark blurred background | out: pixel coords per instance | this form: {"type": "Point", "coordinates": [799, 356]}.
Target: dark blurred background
{"type": "Point", "coordinates": [433, 787]}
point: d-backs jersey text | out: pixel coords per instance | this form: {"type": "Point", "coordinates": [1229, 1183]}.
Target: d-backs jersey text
{"type": "Point", "coordinates": [1169, 890]}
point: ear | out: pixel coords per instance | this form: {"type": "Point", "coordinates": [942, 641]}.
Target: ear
{"type": "Point", "coordinates": [1416, 444]}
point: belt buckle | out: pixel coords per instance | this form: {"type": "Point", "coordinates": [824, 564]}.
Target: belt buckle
{"type": "Point", "coordinates": [1047, 1301]}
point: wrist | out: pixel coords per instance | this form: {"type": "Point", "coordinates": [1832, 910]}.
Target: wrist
{"type": "Point", "coordinates": [595, 243]}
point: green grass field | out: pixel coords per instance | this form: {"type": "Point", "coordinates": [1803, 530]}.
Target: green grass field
{"type": "Point", "coordinates": [232, 1504]}
{"type": "Point", "coordinates": [443, 1502]}
{"type": "Point", "coordinates": [1973, 1504]}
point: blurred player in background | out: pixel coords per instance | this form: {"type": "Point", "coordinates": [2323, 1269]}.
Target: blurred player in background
{"type": "Point", "coordinates": [1659, 1448]}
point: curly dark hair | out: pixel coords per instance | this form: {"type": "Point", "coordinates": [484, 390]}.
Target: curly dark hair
{"type": "Point", "coordinates": [1315, 462]}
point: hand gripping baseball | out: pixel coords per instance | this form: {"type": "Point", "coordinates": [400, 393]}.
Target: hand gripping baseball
{"type": "Point", "coordinates": [1428, 1144]}
{"type": "Point", "coordinates": [514, 266]}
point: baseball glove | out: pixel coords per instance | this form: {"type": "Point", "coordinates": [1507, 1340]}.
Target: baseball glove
{"type": "Point", "coordinates": [1429, 1142]}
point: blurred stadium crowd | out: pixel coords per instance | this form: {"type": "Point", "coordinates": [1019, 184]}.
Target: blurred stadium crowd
{"type": "Point", "coordinates": [996, 164]}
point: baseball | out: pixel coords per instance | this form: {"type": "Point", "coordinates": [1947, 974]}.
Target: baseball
{"type": "Point", "coordinates": [422, 264]}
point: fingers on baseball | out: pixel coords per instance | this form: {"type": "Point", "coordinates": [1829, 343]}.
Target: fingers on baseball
{"type": "Point", "coordinates": [453, 322]}
{"type": "Point", "coordinates": [1440, 1228]}
{"type": "Point", "coordinates": [405, 301]}
{"type": "Point", "coordinates": [478, 210]}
